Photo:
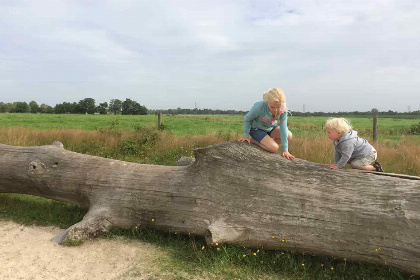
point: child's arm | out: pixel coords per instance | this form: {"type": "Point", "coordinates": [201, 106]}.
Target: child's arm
{"type": "Point", "coordinates": [284, 132]}
{"type": "Point", "coordinates": [251, 115]}
{"type": "Point", "coordinates": [346, 152]}
{"type": "Point", "coordinates": [336, 159]}
{"type": "Point", "coordinates": [337, 156]}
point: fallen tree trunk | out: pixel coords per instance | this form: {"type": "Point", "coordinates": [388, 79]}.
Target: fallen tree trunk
{"type": "Point", "coordinates": [233, 193]}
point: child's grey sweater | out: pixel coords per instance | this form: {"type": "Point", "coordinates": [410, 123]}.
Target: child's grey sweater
{"type": "Point", "coordinates": [351, 147]}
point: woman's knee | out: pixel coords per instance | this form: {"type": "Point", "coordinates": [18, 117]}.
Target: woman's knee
{"type": "Point", "coordinates": [273, 147]}
{"type": "Point", "coordinates": [269, 144]}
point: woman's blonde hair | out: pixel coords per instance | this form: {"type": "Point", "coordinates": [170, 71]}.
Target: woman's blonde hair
{"type": "Point", "coordinates": [274, 95]}
{"type": "Point", "coordinates": [341, 125]}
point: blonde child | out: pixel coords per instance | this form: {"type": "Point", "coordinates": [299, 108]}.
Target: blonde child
{"type": "Point", "coordinates": [260, 123]}
{"type": "Point", "coordinates": [349, 148]}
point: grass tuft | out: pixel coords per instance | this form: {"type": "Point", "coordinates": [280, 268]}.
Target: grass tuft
{"type": "Point", "coordinates": [73, 242]}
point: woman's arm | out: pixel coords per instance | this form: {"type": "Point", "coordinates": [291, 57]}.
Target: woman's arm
{"type": "Point", "coordinates": [284, 132]}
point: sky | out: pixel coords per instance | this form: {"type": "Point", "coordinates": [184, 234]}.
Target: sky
{"type": "Point", "coordinates": [326, 55]}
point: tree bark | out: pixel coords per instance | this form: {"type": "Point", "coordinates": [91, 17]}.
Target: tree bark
{"type": "Point", "coordinates": [232, 193]}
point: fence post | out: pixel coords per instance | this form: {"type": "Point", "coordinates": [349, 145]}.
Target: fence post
{"type": "Point", "coordinates": [159, 120]}
{"type": "Point", "coordinates": [375, 127]}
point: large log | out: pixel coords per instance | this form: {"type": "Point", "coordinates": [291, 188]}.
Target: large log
{"type": "Point", "coordinates": [233, 193]}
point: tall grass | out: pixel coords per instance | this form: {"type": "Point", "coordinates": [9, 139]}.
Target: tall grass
{"type": "Point", "coordinates": [150, 146]}
{"type": "Point", "coordinates": [142, 145]}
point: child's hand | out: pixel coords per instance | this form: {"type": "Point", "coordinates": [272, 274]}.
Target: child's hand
{"type": "Point", "coordinates": [245, 139]}
{"type": "Point", "coordinates": [287, 155]}
{"type": "Point", "coordinates": [333, 166]}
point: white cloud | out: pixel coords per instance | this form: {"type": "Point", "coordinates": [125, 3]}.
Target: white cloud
{"type": "Point", "coordinates": [93, 43]}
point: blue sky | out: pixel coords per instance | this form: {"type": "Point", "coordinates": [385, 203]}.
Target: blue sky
{"type": "Point", "coordinates": [326, 55]}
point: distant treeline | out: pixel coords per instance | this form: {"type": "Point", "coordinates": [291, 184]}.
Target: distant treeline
{"type": "Point", "coordinates": [84, 106]}
{"type": "Point", "coordinates": [196, 111]}
{"type": "Point", "coordinates": [131, 107]}
{"type": "Point", "coordinates": [391, 114]}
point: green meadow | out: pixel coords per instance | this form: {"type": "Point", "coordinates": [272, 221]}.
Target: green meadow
{"type": "Point", "coordinates": [136, 139]}
{"type": "Point", "coordinates": [182, 125]}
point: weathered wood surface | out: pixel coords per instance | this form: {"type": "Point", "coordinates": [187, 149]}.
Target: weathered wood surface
{"type": "Point", "coordinates": [233, 193]}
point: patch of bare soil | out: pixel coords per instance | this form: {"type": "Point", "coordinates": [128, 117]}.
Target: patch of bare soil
{"type": "Point", "coordinates": [27, 252]}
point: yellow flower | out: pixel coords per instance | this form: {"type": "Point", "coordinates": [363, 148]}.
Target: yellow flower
{"type": "Point", "coordinates": [272, 237]}
{"type": "Point", "coordinates": [202, 248]}
{"type": "Point", "coordinates": [255, 254]}
{"type": "Point", "coordinates": [153, 220]}
{"type": "Point", "coordinates": [282, 240]}
{"type": "Point", "coordinates": [303, 264]}
{"type": "Point", "coordinates": [217, 244]}
{"type": "Point", "coordinates": [258, 251]}
{"type": "Point", "coordinates": [332, 268]}
{"type": "Point", "coordinates": [243, 256]}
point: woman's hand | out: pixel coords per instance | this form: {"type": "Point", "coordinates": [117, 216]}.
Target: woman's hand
{"type": "Point", "coordinates": [245, 139]}
{"type": "Point", "coordinates": [333, 166]}
{"type": "Point", "coordinates": [287, 155]}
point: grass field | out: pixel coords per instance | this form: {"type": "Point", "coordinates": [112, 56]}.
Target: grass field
{"type": "Point", "coordinates": [135, 138]}
{"type": "Point", "coordinates": [181, 125]}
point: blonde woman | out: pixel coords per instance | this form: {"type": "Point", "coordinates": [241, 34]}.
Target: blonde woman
{"type": "Point", "coordinates": [350, 148]}
{"type": "Point", "coordinates": [260, 123]}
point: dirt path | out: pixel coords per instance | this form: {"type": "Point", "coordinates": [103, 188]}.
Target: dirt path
{"type": "Point", "coordinates": [26, 252]}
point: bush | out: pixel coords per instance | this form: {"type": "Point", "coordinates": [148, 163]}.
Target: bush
{"type": "Point", "coordinates": [414, 129]}
{"type": "Point", "coordinates": [141, 142]}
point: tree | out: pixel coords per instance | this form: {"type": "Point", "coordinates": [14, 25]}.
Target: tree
{"type": "Point", "coordinates": [34, 107]}
{"type": "Point", "coordinates": [86, 106]}
{"type": "Point", "coordinates": [234, 193]}
{"type": "Point", "coordinates": [21, 107]}
{"type": "Point", "coordinates": [70, 108]}
{"type": "Point", "coordinates": [138, 109]}
{"type": "Point", "coordinates": [127, 107]}
{"type": "Point", "coordinates": [102, 108]}
{"type": "Point", "coordinates": [142, 110]}
{"type": "Point", "coordinates": [59, 109]}
{"type": "Point", "coordinates": [131, 107]}
{"type": "Point", "coordinates": [46, 109]}
{"type": "Point", "coordinates": [5, 107]}
{"type": "Point", "coordinates": [115, 106]}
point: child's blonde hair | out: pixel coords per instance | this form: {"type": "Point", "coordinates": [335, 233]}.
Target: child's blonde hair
{"type": "Point", "coordinates": [341, 125]}
{"type": "Point", "coordinates": [274, 95]}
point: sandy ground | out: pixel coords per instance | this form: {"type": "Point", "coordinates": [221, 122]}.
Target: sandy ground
{"type": "Point", "coordinates": [26, 252]}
